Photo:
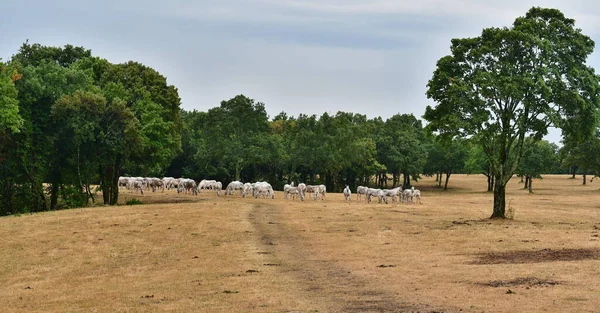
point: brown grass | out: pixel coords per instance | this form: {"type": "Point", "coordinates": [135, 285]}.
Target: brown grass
{"type": "Point", "coordinates": [228, 254]}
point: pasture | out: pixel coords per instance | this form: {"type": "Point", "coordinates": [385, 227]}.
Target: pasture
{"type": "Point", "coordinates": [185, 253]}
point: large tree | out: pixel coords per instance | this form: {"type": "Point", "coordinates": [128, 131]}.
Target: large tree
{"type": "Point", "coordinates": [512, 83]}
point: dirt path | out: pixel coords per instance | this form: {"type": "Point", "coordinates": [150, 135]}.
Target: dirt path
{"type": "Point", "coordinates": [324, 283]}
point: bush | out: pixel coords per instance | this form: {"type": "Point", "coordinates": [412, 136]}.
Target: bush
{"type": "Point", "coordinates": [133, 202]}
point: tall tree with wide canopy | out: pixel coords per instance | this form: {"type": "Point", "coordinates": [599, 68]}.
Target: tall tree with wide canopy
{"type": "Point", "coordinates": [514, 82]}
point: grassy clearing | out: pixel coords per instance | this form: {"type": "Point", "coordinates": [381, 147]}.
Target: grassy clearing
{"type": "Point", "coordinates": [183, 253]}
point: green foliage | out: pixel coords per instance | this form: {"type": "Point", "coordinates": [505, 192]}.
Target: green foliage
{"type": "Point", "coordinates": [133, 201]}
{"type": "Point", "coordinates": [10, 120]}
{"type": "Point", "coordinates": [72, 197]}
{"type": "Point", "coordinates": [81, 121]}
{"type": "Point", "coordinates": [585, 154]}
{"type": "Point", "coordinates": [401, 146]}
{"type": "Point", "coordinates": [511, 83]}
{"type": "Point", "coordinates": [446, 157]}
{"type": "Point", "coordinates": [238, 141]}
{"type": "Point", "coordinates": [154, 103]}
{"type": "Point", "coordinates": [538, 159]}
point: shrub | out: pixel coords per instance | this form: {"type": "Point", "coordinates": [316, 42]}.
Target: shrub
{"type": "Point", "coordinates": [133, 202]}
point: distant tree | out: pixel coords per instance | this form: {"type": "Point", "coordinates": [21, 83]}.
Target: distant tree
{"type": "Point", "coordinates": [477, 162]}
{"type": "Point", "coordinates": [537, 160]}
{"type": "Point", "coordinates": [512, 83]}
{"type": "Point", "coordinates": [401, 147]}
{"type": "Point", "coordinates": [447, 157]}
{"type": "Point", "coordinates": [584, 155]}
{"type": "Point", "coordinates": [233, 141]}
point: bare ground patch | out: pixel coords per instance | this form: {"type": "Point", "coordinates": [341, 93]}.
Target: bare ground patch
{"type": "Point", "coordinates": [522, 281]}
{"type": "Point", "coordinates": [537, 256]}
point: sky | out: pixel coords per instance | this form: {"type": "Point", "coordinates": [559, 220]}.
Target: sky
{"type": "Point", "coordinates": [299, 56]}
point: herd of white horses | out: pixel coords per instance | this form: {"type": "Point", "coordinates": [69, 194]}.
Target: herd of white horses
{"type": "Point", "coordinates": [265, 190]}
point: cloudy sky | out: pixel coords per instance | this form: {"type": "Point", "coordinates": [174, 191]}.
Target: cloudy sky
{"type": "Point", "coordinates": [298, 56]}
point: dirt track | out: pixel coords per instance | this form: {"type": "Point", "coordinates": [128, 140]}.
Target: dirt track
{"type": "Point", "coordinates": [317, 278]}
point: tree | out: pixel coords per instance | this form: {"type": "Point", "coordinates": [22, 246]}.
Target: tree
{"type": "Point", "coordinates": [508, 84]}
{"type": "Point", "coordinates": [447, 157]}
{"type": "Point", "coordinates": [401, 147]}
{"type": "Point", "coordinates": [584, 155]}
{"type": "Point", "coordinates": [537, 160]}
{"type": "Point", "coordinates": [36, 155]}
{"type": "Point", "coordinates": [93, 134]}
{"type": "Point", "coordinates": [233, 141]}
{"type": "Point", "coordinates": [477, 162]}
{"type": "Point", "coordinates": [144, 106]}
{"type": "Point", "coordinates": [11, 123]}
{"type": "Point", "coordinates": [10, 120]}
{"type": "Point", "coordinates": [154, 103]}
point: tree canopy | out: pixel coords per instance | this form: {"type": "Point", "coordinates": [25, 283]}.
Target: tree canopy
{"type": "Point", "coordinates": [514, 82]}
{"type": "Point", "coordinates": [75, 119]}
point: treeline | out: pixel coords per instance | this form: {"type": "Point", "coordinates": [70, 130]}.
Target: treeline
{"type": "Point", "coordinates": [70, 121]}
{"type": "Point", "coordinates": [238, 141]}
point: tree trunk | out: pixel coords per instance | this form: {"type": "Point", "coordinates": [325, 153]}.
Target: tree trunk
{"type": "Point", "coordinates": [89, 193]}
{"type": "Point", "coordinates": [574, 169]}
{"type": "Point", "coordinates": [406, 180]}
{"type": "Point", "coordinates": [238, 170]}
{"type": "Point", "coordinates": [490, 182]}
{"type": "Point", "coordinates": [530, 183]}
{"type": "Point", "coordinates": [584, 177]}
{"type": "Point", "coordinates": [499, 199]}
{"type": "Point", "coordinates": [439, 180]}
{"type": "Point", "coordinates": [522, 176]}
{"type": "Point", "coordinates": [104, 185]}
{"type": "Point", "coordinates": [526, 182]}
{"type": "Point", "coordinates": [447, 178]}
{"type": "Point", "coordinates": [54, 196]}
{"type": "Point", "coordinates": [115, 182]}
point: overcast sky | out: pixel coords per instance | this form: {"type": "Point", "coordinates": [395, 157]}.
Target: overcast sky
{"type": "Point", "coordinates": [299, 56]}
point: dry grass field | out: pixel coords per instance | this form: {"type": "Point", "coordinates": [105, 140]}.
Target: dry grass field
{"type": "Point", "coordinates": [182, 253]}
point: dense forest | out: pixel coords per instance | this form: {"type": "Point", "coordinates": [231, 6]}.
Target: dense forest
{"type": "Point", "coordinates": [71, 123]}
